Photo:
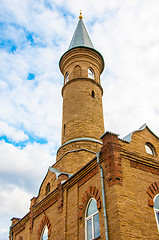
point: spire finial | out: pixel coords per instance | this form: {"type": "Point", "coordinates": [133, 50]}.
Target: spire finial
{"type": "Point", "coordinates": [80, 16]}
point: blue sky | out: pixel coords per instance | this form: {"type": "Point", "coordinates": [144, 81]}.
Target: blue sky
{"type": "Point", "coordinates": [33, 36]}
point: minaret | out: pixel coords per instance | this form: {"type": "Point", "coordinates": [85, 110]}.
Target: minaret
{"type": "Point", "coordinates": [82, 123]}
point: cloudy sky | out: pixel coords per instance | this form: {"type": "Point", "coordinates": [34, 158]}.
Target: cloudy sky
{"type": "Point", "coordinates": [33, 36]}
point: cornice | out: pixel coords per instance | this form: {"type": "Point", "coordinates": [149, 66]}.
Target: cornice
{"type": "Point", "coordinates": [81, 51]}
{"type": "Point", "coordinates": [82, 79]}
{"type": "Point", "coordinates": [45, 203]}
{"type": "Point", "coordinates": [152, 162]}
{"type": "Point", "coordinates": [83, 172]}
{"type": "Point", "coordinates": [19, 226]}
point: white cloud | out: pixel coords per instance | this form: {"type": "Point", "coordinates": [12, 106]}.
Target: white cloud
{"type": "Point", "coordinates": [15, 206]}
{"type": "Point", "coordinates": [20, 168]}
{"type": "Point", "coordinates": [128, 44]}
{"type": "Point", "coordinates": [23, 201]}
{"type": "Point", "coordinates": [24, 162]}
{"type": "Point", "coordinates": [12, 133]}
{"type": "Point", "coordinates": [125, 32]}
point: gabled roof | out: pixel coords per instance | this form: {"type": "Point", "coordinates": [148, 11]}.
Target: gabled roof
{"type": "Point", "coordinates": [129, 136]}
{"type": "Point", "coordinates": [81, 37]}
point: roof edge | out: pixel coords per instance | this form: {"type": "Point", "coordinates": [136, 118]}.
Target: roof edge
{"type": "Point", "coordinates": [128, 137]}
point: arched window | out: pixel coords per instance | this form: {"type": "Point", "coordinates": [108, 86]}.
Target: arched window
{"type": "Point", "coordinates": [47, 188]}
{"type": "Point", "coordinates": [92, 220]}
{"type": "Point", "coordinates": [90, 73]}
{"type": "Point", "coordinates": [66, 77]}
{"type": "Point", "coordinates": [77, 72]}
{"type": "Point", "coordinates": [156, 209]}
{"type": "Point", "coordinates": [44, 233]}
{"type": "Point", "coordinates": [150, 149]}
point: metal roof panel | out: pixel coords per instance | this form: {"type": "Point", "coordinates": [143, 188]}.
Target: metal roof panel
{"type": "Point", "coordinates": [81, 37]}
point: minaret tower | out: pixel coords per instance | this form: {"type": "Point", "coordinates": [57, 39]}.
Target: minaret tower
{"type": "Point", "coordinates": [82, 123]}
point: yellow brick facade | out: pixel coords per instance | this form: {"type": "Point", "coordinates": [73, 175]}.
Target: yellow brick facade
{"type": "Point", "coordinates": [131, 176]}
{"type": "Point", "coordinates": [128, 211]}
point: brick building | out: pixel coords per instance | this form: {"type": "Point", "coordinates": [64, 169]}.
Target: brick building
{"type": "Point", "coordinates": [101, 186]}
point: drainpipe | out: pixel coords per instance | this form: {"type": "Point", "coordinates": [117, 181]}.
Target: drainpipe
{"type": "Point", "coordinates": [103, 196]}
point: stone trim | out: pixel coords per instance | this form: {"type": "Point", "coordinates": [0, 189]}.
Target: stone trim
{"type": "Point", "coordinates": [45, 206]}
{"type": "Point", "coordinates": [83, 79]}
{"type": "Point", "coordinates": [45, 221]}
{"type": "Point", "coordinates": [92, 191]}
{"type": "Point", "coordinates": [87, 176]}
{"type": "Point", "coordinates": [144, 167]}
{"type": "Point", "coordinates": [80, 140]}
{"type": "Point", "coordinates": [152, 190]}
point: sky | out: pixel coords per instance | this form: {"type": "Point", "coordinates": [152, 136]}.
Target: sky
{"type": "Point", "coordinates": [33, 36]}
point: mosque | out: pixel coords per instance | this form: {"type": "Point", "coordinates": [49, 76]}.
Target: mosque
{"type": "Point", "coordinates": [101, 186]}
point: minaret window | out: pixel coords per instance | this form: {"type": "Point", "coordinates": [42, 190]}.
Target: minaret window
{"type": "Point", "coordinates": [92, 220]}
{"type": "Point", "coordinates": [150, 149]}
{"type": "Point", "coordinates": [90, 73]}
{"type": "Point", "coordinates": [64, 128]}
{"type": "Point", "coordinates": [93, 94]}
{"type": "Point", "coordinates": [66, 77]}
{"type": "Point", "coordinates": [44, 233]}
{"type": "Point", "coordinates": [156, 209]}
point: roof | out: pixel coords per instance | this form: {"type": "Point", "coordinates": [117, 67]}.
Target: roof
{"type": "Point", "coordinates": [81, 37]}
{"type": "Point", "coordinates": [129, 136]}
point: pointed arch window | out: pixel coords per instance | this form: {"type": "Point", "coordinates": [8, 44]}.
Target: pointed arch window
{"type": "Point", "coordinates": [44, 233]}
{"type": "Point", "coordinates": [92, 221]}
{"type": "Point", "coordinates": [156, 209]}
{"type": "Point", "coordinates": [90, 73]}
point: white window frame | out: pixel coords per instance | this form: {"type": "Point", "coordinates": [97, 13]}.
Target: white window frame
{"type": "Point", "coordinates": [43, 232]}
{"type": "Point", "coordinates": [150, 149]}
{"type": "Point", "coordinates": [156, 210]}
{"type": "Point", "coordinates": [88, 218]}
{"type": "Point", "coordinates": [90, 73]}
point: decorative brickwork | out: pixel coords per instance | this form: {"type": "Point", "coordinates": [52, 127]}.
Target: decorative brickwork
{"type": "Point", "coordinates": [91, 192]}
{"type": "Point", "coordinates": [15, 220]}
{"type": "Point", "coordinates": [45, 206]}
{"type": "Point", "coordinates": [111, 153]}
{"type": "Point", "coordinates": [63, 177]}
{"type": "Point", "coordinates": [60, 196]}
{"type": "Point", "coordinates": [19, 229]}
{"type": "Point", "coordinates": [31, 219]}
{"type": "Point", "coordinates": [87, 176]}
{"type": "Point", "coordinates": [144, 167]}
{"type": "Point", "coordinates": [152, 190]}
{"type": "Point", "coordinates": [44, 222]}
{"type": "Point", "coordinates": [32, 203]}
{"type": "Point", "coordinates": [20, 238]}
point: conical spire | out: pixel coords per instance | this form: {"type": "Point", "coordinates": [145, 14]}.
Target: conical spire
{"type": "Point", "coordinates": [81, 37]}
